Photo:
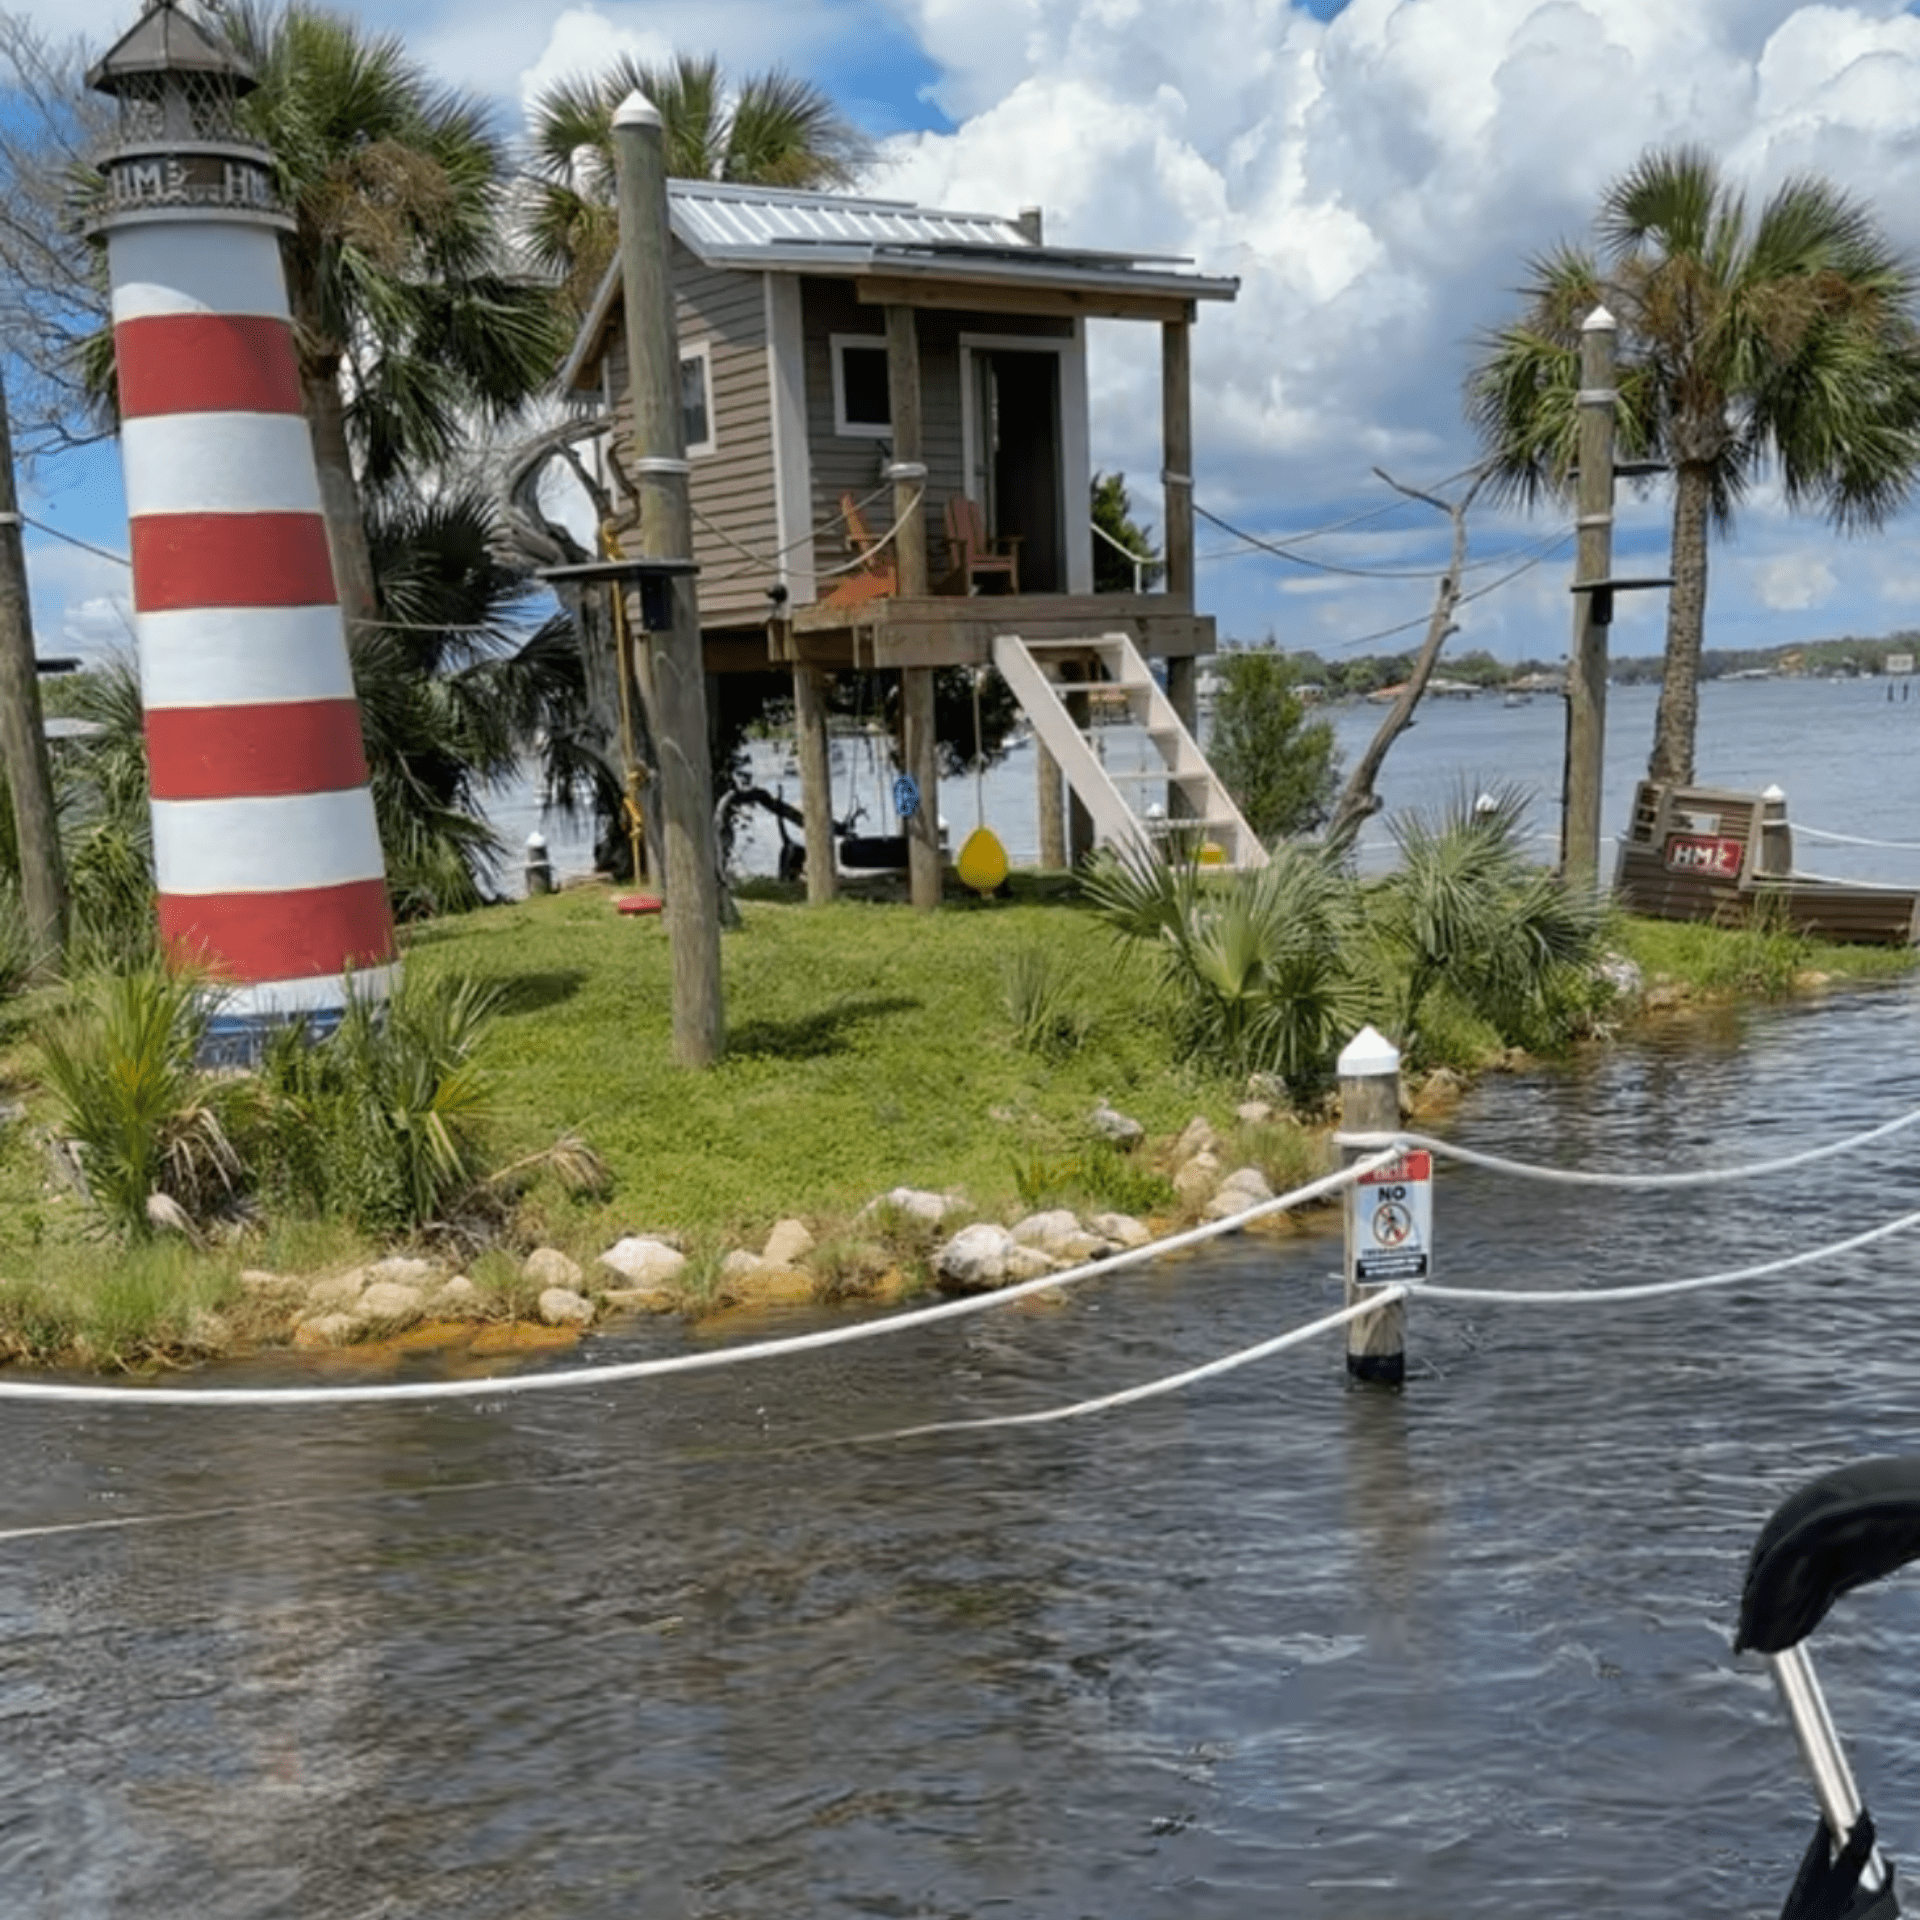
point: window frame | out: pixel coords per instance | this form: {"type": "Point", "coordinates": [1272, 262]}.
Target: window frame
{"type": "Point", "coordinates": [702, 351]}
{"type": "Point", "coordinates": [845, 429]}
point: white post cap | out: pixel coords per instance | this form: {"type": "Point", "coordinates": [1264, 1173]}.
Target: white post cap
{"type": "Point", "coordinates": [536, 843]}
{"type": "Point", "coordinates": [1367, 1055]}
{"type": "Point", "coordinates": [636, 110]}
{"type": "Point", "coordinates": [1599, 321]}
{"type": "Point", "coordinates": [1773, 793]}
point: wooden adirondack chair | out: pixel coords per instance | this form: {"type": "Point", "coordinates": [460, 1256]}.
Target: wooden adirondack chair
{"type": "Point", "coordinates": [972, 553]}
{"type": "Point", "coordinates": [876, 577]}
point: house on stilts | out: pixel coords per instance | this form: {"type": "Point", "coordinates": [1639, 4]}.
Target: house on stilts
{"type": "Point", "coordinates": [886, 418]}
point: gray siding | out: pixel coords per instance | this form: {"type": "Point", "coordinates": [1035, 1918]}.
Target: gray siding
{"type": "Point", "coordinates": [845, 465]}
{"type": "Point", "coordinates": [732, 488]}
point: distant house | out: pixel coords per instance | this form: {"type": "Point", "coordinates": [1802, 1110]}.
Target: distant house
{"type": "Point", "coordinates": [886, 418]}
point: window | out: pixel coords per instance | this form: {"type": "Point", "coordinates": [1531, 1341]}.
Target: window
{"type": "Point", "coordinates": [862, 407]}
{"type": "Point", "coordinates": [696, 399]}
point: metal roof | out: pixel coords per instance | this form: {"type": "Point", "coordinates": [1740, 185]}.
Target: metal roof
{"type": "Point", "coordinates": [780, 230]}
{"type": "Point", "coordinates": [719, 216]}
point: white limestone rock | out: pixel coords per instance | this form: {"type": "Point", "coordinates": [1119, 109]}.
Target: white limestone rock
{"type": "Point", "coordinates": [787, 1245]}
{"type": "Point", "coordinates": [403, 1270]}
{"type": "Point", "coordinates": [1197, 1137]}
{"type": "Point", "coordinates": [562, 1307]}
{"type": "Point", "coordinates": [916, 1203]}
{"type": "Point", "coordinates": [391, 1303]}
{"type": "Point", "coordinates": [643, 1262]}
{"type": "Point", "coordinates": [257, 1283]}
{"type": "Point", "coordinates": [327, 1330]}
{"type": "Point", "coordinates": [1025, 1263]}
{"type": "Point", "coordinates": [1195, 1179]}
{"type": "Point", "coordinates": [459, 1299]}
{"type": "Point", "coordinates": [1110, 1124]}
{"type": "Point", "coordinates": [976, 1258]}
{"type": "Point", "coordinates": [1047, 1230]}
{"type": "Point", "coordinates": [549, 1267]}
{"type": "Point", "coordinates": [738, 1264]}
{"type": "Point", "coordinates": [1253, 1113]}
{"type": "Point", "coordinates": [1121, 1228]}
{"type": "Point", "coordinates": [334, 1292]}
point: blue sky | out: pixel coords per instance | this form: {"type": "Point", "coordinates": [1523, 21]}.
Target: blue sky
{"type": "Point", "coordinates": [1374, 174]}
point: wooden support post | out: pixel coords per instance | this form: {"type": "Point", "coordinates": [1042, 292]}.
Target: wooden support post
{"type": "Point", "coordinates": [678, 695]}
{"type": "Point", "coordinates": [918, 755]}
{"type": "Point", "coordinates": [1776, 835]}
{"type": "Point", "coordinates": [1183, 696]}
{"type": "Point", "coordinates": [1079, 821]}
{"type": "Point", "coordinates": [908, 469]}
{"type": "Point", "coordinates": [23, 740]}
{"type": "Point", "coordinates": [1176, 433]}
{"type": "Point", "coordinates": [816, 784]}
{"type": "Point", "coordinates": [1587, 668]}
{"type": "Point", "coordinates": [1369, 1069]}
{"type": "Point", "coordinates": [1049, 784]}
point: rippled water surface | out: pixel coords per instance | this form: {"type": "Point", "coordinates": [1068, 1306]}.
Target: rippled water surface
{"type": "Point", "coordinates": [1267, 1647]}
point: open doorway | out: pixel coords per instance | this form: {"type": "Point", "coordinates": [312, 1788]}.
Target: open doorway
{"type": "Point", "coordinates": [1015, 459]}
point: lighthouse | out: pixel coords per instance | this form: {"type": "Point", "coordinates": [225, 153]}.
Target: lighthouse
{"type": "Point", "coordinates": [266, 856]}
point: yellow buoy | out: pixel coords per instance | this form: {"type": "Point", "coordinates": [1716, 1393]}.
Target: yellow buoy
{"type": "Point", "coordinates": [983, 861]}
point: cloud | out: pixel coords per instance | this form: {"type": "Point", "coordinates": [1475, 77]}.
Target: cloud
{"type": "Point", "coordinates": [1792, 583]}
{"type": "Point", "coordinates": [1377, 183]}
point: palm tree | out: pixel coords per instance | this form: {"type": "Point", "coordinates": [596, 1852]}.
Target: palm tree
{"type": "Point", "coordinates": [1782, 341]}
{"type": "Point", "coordinates": [409, 320]}
{"type": "Point", "coordinates": [774, 130]}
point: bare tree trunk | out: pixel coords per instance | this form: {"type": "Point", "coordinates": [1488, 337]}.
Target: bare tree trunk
{"type": "Point", "coordinates": [339, 492]}
{"type": "Point", "coordinates": [1358, 801]}
{"type": "Point", "coordinates": [1676, 722]}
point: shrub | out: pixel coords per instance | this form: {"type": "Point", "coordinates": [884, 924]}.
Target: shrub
{"type": "Point", "coordinates": [1098, 1177]}
{"type": "Point", "coordinates": [381, 1122]}
{"type": "Point", "coordinates": [146, 1122]}
{"type": "Point", "coordinates": [1262, 971]}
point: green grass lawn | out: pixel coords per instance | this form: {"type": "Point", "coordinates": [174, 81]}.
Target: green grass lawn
{"type": "Point", "coordinates": [868, 1047]}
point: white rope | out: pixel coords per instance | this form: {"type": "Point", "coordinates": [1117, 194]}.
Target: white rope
{"type": "Point", "coordinates": [761, 562]}
{"type": "Point", "coordinates": [1855, 840]}
{"type": "Point", "coordinates": [45, 1392]}
{"type": "Point", "coordinates": [1148, 1390]}
{"type": "Point", "coordinates": [1575, 1177]}
{"type": "Point", "coordinates": [1653, 1289]}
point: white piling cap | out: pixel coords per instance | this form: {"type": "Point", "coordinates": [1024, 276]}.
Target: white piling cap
{"type": "Point", "coordinates": [636, 110]}
{"type": "Point", "coordinates": [536, 843]}
{"type": "Point", "coordinates": [1773, 793]}
{"type": "Point", "coordinates": [1366, 1055]}
{"type": "Point", "coordinates": [1599, 321]}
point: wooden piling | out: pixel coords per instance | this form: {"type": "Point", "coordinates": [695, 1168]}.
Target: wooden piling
{"type": "Point", "coordinates": [678, 696]}
{"type": "Point", "coordinates": [816, 782]}
{"type": "Point", "coordinates": [1369, 1069]}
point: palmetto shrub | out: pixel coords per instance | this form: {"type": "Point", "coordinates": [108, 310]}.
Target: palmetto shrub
{"type": "Point", "coordinates": [1261, 972]}
{"type": "Point", "coordinates": [382, 1122]}
{"type": "Point", "coordinates": [149, 1128]}
{"type": "Point", "coordinates": [1470, 916]}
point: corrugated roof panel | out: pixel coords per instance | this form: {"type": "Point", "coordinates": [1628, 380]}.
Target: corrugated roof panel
{"type": "Point", "coordinates": [717, 215]}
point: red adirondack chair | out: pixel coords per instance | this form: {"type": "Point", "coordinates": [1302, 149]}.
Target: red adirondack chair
{"type": "Point", "coordinates": [973, 553]}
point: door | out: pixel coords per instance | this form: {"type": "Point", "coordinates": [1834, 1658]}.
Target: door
{"type": "Point", "coordinates": [1017, 458]}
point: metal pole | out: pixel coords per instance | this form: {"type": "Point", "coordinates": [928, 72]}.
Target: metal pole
{"type": "Point", "coordinates": [23, 739]}
{"type": "Point", "coordinates": [679, 694]}
{"type": "Point", "coordinates": [1593, 610]}
{"type": "Point", "coordinates": [1820, 1748]}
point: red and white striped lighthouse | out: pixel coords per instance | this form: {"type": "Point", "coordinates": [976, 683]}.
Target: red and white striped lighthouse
{"type": "Point", "coordinates": [266, 855]}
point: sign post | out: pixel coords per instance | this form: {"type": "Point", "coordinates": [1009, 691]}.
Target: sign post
{"type": "Point", "coordinates": [1389, 1212]}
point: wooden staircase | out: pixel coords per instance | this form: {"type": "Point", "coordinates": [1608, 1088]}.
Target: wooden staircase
{"type": "Point", "coordinates": [1202, 820]}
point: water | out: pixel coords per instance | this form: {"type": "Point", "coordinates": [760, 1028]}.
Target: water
{"type": "Point", "coordinates": [1266, 1647]}
{"type": "Point", "coordinates": [1829, 744]}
